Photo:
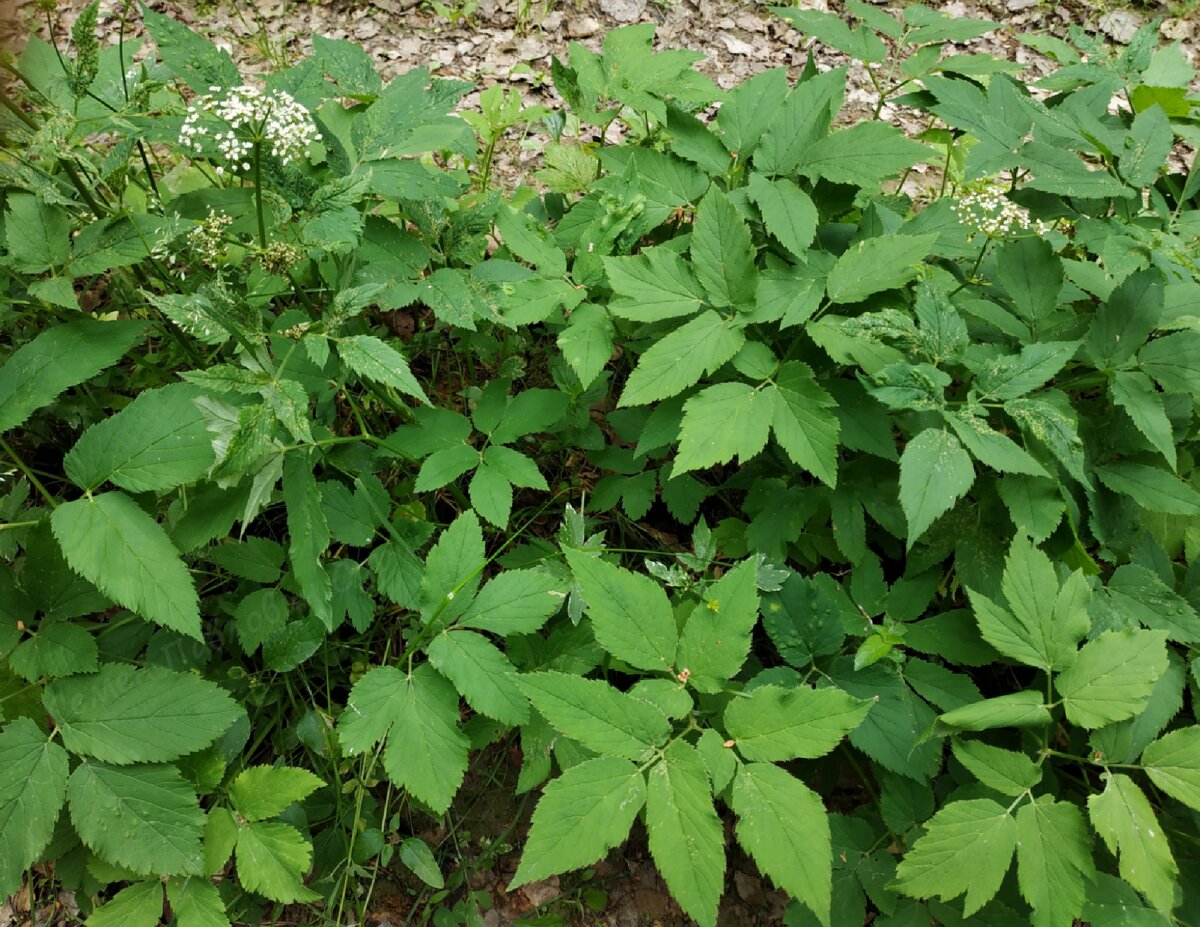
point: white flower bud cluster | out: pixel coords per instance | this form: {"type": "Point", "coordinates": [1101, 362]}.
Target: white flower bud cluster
{"type": "Point", "coordinates": [206, 240]}
{"type": "Point", "coordinates": [250, 116]}
{"type": "Point", "coordinates": [991, 212]}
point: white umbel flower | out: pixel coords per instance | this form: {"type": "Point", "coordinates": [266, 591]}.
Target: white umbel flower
{"type": "Point", "coordinates": [251, 116]}
{"type": "Point", "coordinates": [991, 212]}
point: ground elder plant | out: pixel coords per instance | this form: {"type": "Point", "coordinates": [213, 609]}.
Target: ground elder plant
{"type": "Point", "coordinates": [729, 492]}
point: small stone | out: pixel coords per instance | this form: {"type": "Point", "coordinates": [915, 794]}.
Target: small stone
{"type": "Point", "coordinates": [623, 11]}
{"type": "Point", "coordinates": [1016, 6]}
{"type": "Point", "coordinates": [1119, 25]}
{"type": "Point", "coordinates": [580, 27]}
{"type": "Point", "coordinates": [366, 29]}
{"type": "Point", "coordinates": [736, 46]}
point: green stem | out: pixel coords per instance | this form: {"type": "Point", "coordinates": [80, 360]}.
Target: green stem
{"type": "Point", "coordinates": [258, 197]}
{"type": "Point", "coordinates": [29, 474]}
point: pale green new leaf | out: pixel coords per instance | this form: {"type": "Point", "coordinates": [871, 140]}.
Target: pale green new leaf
{"type": "Point", "coordinates": [716, 638]}
{"type": "Point", "coordinates": [1054, 859]}
{"type": "Point", "coordinates": [630, 614]}
{"type": "Point", "coordinates": [1017, 709]}
{"type": "Point", "coordinates": [272, 859]}
{"type": "Point", "coordinates": [654, 285]}
{"type": "Point", "coordinates": [782, 825]}
{"type": "Point", "coordinates": [515, 602]}
{"type": "Point", "coordinates": [1006, 771]}
{"type": "Point", "coordinates": [722, 252]}
{"type": "Point", "coordinates": [261, 792]}
{"type": "Point", "coordinates": [59, 358]}
{"type": "Point", "coordinates": [966, 847]}
{"type": "Point", "coordinates": [877, 264]}
{"type": "Point", "coordinates": [111, 542]}
{"type": "Point", "coordinates": [773, 724]}
{"type": "Point", "coordinates": [125, 715]}
{"type": "Point", "coordinates": [721, 422]}
{"type": "Point", "coordinates": [145, 818]}
{"type": "Point", "coordinates": [1173, 763]}
{"type": "Point", "coordinates": [427, 751]}
{"type": "Point", "coordinates": [934, 472]}
{"type": "Point", "coordinates": [484, 675]}
{"type": "Point", "coordinates": [592, 712]}
{"type": "Point", "coordinates": [787, 210]}
{"type": "Point", "coordinates": [220, 837]}
{"type": "Point", "coordinates": [139, 905]}
{"type": "Point", "coordinates": [376, 360]}
{"type": "Point", "coordinates": [32, 790]}
{"type": "Point", "coordinates": [1125, 821]}
{"type": "Point", "coordinates": [196, 903]}
{"type": "Point", "coordinates": [680, 359]}
{"type": "Point", "coordinates": [687, 840]}
{"type": "Point", "coordinates": [803, 422]}
{"type": "Point", "coordinates": [309, 533]}
{"type": "Point", "coordinates": [582, 814]}
{"type": "Point", "coordinates": [160, 440]}
{"type": "Point", "coordinates": [1112, 677]}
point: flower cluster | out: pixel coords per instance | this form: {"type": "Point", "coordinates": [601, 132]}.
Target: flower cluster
{"type": "Point", "coordinates": [251, 116]}
{"type": "Point", "coordinates": [279, 256]}
{"type": "Point", "coordinates": [207, 238]}
{"type": "Point", "coordinates": [991, 212]}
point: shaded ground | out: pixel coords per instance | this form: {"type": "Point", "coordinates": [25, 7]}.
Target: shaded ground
{"type": "Point", "coordinates": [512, 41]}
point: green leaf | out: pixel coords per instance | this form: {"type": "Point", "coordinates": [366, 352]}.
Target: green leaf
{"type": "Point", "coordinates": [126, 715]}
{"type": "Point", "coordinates": [630, 614]}
{"type": "Point", "coordinates": [773, 724]}
{"type": "Point", "coordinates": [782, 825]}
{"type": "Point", "coordinates": [426, 751]}
{"type": "Point", "coordinates": [1043, 623]}
{"type": "Point", "coordinates": [515, 602]}
{"type": "Point", "coordinates": [1062, 173]}
{"type": "Point", "coordinates": [120, 549]}
{"type": "Point", "coordinates": [1017, 709]}
{"type": "Point", "coordinates": [804, 117]}
{"type": "Point", "coordinates": [57, 648]}
{"type": "Point", "coordinates": [1174, 362]}
{"type": "Point", "coordinates": [445, 466]}
{"type": "Point", "coordinates": [375, 699]}
{"type": "Point", "coordinates": [196, 903]}
{"type": "Point", "coordinates": [416, 855]}
{"type": "Point", "coordinates": [1035, 505]}
{"type": "Point", "coordinates": [37, 233]}
{"type": "Point", "coordinates": [481, 673]}
{"type": "Point", "coordinates": [1032, 274]}
{"type": "Point", "coordinates": [804, 618]}
{"type": "Point", "coordinates": [145, 818]}
{"type": "Point", "coordinates": [194, 60]}
{"type": "Point", "coordinates": [680, 359]}
{"type": "Point", "coordinates": [32, 790]}
{"type": "Point", "coordinates": [258, 616]}
{"type": "Point", "coordinates": [654, 285]}
{"type": "Point", "coordinates": [991, 448]}
{"type": "Point", "coordinates": [1173, 763]}
{"type": "Point", "coordinates": [863, 154]}
{"type": "Point", "coordinates": [1112, 676]}
{"type": "Point", "coordinates": [157, 442]}
{"type": "Point", "coordinates": [1140, 596]}
{"type": "Point", "coordinates": [934, 472]}
{"type": "Point", "coordinates": [1126, 319]}
{"type": "Point", "coordinates": [787, 211]}
{"type": "Point", "coordinates": [592, 712]}
{"type": "Point", "coordinates": [804, 426]}
{"type": "Point", "coordinates": [139, 905]}
{"type": "Point", "coordinates": [587, 342]}
{"type": "Point", "coordinates": [722, 252]}
{"type": "Point", "coordinates": [491, 495]}
{"type": "Point", "coordinates": [966, 847]}
{"type": "Point", "coordinates": [1125, 821]}
{"type": "Point", "coordinates": [261, 792]}
{"type": "Point", "coordinates": [1152, 488]}
{"type": "Point", "coordinates": [687, 840]}
{"type": "Point", "coordinates": [1051, 420]}
{"type": "Point", "coordinates": [877, 264]}
{"type": "Point", "coordinates": [748, 110]}
{"type": "Point", "coordinates": [1135, 393]}
{"type": "Point", "coordinates": [723, 421]}
{"type": "Point", "coordinates": [59, 358]}
{"type": "Point", "coordinates": [1006, 771]}
{"type": "Point", "coordinates": [309, 535]}
{"type": "Point", "coordinates": [582, 814]}
{"type": "Point", "coordinates": [220, 837]}
{"type": "Point", "coordinates": [1054, 858]}
{"type": "Point", "coordinates": [376, 360]}
{"type": "Point", "coordinates": [530, 241]}
{"type": "Point", "coordinates": [272, 859]}
{"type": "Point", "coordinates": [1012, 376]}
{"type": "Point", "coordinates": [452, 570]}
{"type": "Point", "coordinates": [716, 637]}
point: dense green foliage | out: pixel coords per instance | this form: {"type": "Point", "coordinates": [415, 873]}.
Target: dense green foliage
{"type": "Point", "coordinates": [327, 468]}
